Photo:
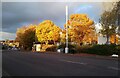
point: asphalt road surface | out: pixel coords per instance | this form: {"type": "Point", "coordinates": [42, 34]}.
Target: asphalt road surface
{"type": "Point", "coordinates": [17, 63]}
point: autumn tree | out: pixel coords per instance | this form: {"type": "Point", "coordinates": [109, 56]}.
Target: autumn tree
{"type": "Point", "coordinates": [47, 31]}
{"type": "Point", "coordinates": [26, 36]}
{"type": "Point", "coordinates": [63, 36]}
{"type": "Point", "coordinates": [112, 40]}
{"type": "Point", "coordinates": [79, 27]}
{"type": "Point", "coordinates": [116, 12]}
{"type": "Point", "coordinates": [108, 20]}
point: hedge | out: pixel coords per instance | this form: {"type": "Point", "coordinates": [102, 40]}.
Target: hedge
{"type": "Point", "coordinates": [100, 49]}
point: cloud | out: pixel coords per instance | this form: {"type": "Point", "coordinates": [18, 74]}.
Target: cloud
{"type": "Point", "coordinates": [83, 7]}
{"type": "Point", "coordinates": [17, 14]}
{"type": "Point", "coordinates": [6, 35]}
{"type": "Point", "coordinates": [0, 16]}
{"type": "Point", "coordinates": [59, 0]}
{"type": "Point", "coordinates": [20, 13]}
{"type": "Point", "coordinates": [92, 9]}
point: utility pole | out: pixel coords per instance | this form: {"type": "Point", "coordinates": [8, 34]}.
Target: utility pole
{"type": "Point", "coordinates": [66, 48]}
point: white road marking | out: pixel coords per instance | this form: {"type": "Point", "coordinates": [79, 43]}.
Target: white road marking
{"type": "Point", "coordinates": [74, 62]}
{"type": "Point", "coordinates": [114, 68]}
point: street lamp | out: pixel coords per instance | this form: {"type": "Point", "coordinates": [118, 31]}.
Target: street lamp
{"type": "Point", "coordinates": [66, 48]}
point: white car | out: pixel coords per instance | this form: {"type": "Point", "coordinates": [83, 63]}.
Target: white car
{"type": "Point", "coordinates": [14, 48]}
{"type": "Point", "coordinates": [114, 55]}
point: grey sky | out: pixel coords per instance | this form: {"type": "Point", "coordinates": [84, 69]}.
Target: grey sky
{"type": "Point", "coordinates": [18, 14]}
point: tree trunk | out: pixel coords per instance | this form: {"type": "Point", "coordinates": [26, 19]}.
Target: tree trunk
{"type": "Point", "coordinates": [107, 42]}
{"type": "Point", "coordinates": [54, 42]}
{"type": "Point", "coordinates": [115, 39]}
{"type": "Point", "coordinates": [47, 42]}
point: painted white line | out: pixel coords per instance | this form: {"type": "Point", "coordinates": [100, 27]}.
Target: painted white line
{"type": "Point", "coordinates": [114, 68]}
{"type": "Point", "coordinates": [74, 62]}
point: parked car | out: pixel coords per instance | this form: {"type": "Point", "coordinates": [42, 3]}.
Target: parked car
{"type": "Point", "coordinates": [15, 48]}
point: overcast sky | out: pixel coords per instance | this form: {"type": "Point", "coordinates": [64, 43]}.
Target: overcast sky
{"type": "Point", "coordinates": [18, 14]}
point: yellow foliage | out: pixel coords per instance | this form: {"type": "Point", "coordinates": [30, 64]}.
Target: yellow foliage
{"type": "Point", "coordinates": [26, 35]}
{"type": "Point", "coordinates": [112, 39]}
{"type": "Point", "coordinates": [47, 30]}
{"type": "Point", "coordinates": [80, 28]}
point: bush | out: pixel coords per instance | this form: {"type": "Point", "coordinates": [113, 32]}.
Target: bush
{"type": "Point", "coordinates": [72, 48]}
{"type": "Point", "coordinates": [64, 45]}
{"type": "Point", "coordinates": [100, 49]}
{"type": "Point", "coordinates": [51, 48]}
{"type": "Point", "coordinates": [4, 47]}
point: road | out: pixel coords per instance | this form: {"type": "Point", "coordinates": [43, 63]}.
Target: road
{"type": "Point", "coordinates": [16, 63]}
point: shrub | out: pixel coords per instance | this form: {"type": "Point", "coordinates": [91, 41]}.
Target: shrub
{"type": "Point", "coordinates": [51, 48]}
{"type": "Point", "coordinates": [72, 48]}
{"type": "Point", "coordinates": [4, 47]}
{"type": "Point", "coordinates": [100, 49]}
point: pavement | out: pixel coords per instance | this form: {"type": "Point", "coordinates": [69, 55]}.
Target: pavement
{"type": "Point", "coordinates": [17, 63]}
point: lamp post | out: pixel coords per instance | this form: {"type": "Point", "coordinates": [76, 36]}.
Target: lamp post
{"type": "Point", "coordinates": [66, 48]}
